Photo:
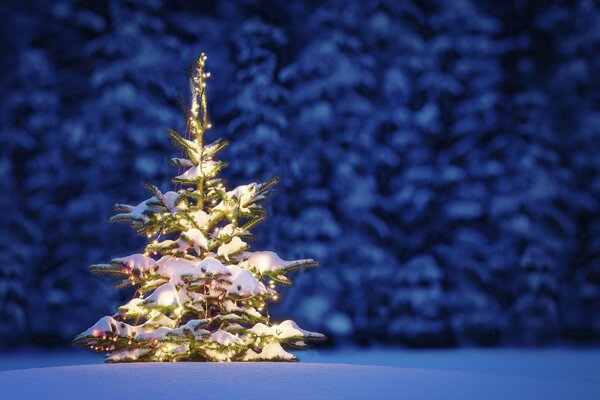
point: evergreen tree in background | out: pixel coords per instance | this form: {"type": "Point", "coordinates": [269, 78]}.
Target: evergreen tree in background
{"type": "Point", "coordinates": [460, 85]}
{"type": "Point", "coordinates": [29, 113]}
{"type": "Point", "coordinates": [256, 111]}
{"type": "Point", "coordinates": [531, 197]}
{"type": "Point", "coordinates": [205, 298]}
{"type": "Point", "coordinates": [111, 131]}
{"type": "Point", "coordinates": [330, 80]}
{"type": "Point", "coordinates": [441, 158]}
{"type": "Point", "coordinates": [401, 164]}
{"type": "Point", "coordinates": [575, 88]}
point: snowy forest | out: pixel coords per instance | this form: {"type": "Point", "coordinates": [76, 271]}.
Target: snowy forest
{"type": "Point", "coordinates": [439, 158]}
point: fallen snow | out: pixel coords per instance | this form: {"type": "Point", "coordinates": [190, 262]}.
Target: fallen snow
{"type": "Point", "coordinates": [285, 330]}
{"type": "Point", "coordinates": [200, 217]}
{"type": "Point", "coordinates": [196, 238]}
{"type": "Point", "coordinates": [207, 169]}
{"type": "Point", "coordinates": [250, 381]}
{"type": "Point", "coordinates": [243, 283]}
{"type": "Point", "coordinates": [235, 245]}
{"type": "Point", "coordinates": [135, 262]}
{"type": "Point", "coordinates": [268, 261]}
{"type": "Point", "coordinates": [211, 266]}
{"type": "Point", "coordinates": [170, 199]}
{"type": "Point", "coordinates": [110, 326]}
{"type": "Point", "coordinates": [271, 351]}
{"type": "Point", "coordinates": [225, 338]}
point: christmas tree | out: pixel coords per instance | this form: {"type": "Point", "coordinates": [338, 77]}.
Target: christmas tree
{"type": "Point", "coordinates": [200, 294]}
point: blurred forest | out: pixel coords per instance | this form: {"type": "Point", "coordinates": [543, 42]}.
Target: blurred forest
{"type": "Point", "coordinates": [440, 158]}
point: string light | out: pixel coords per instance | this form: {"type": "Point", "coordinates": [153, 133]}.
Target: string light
{"type": "Point", "coordinates": [216, 290]}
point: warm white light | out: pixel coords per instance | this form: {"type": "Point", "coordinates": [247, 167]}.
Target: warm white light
{"type": "Point", "coordinates": [166, 298]}
{"type": "Point", "coordinates": [262, 262]}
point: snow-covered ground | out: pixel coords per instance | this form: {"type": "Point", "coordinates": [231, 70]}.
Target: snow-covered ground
{"type": "Point", "coordinates": [322, 374]}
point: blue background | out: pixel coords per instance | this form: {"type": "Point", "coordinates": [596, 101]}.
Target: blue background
{"type": "Point", "coordinates": [440, 158]}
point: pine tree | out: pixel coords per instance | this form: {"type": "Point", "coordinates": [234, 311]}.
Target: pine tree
{"type": "Point", "coordinates": [206, 297]}
{"type": "Point", "coordinates": [28, 113]}
{"type": "Point", "coordinates": [460, 81]}
{"type": "Point", "coordinates": [532, 201]}
{"type": "Point", "coordinates": [256, 116]}
{"type": "Point", "coordinates": [574, 85]}
{"type": "Point", "coordinates": [331, 81]}
{"type": "Point", "coordinates": [105, 133]}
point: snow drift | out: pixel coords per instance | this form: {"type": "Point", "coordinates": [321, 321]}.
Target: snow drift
{"type": "Point", "coordinates": [262, 381]}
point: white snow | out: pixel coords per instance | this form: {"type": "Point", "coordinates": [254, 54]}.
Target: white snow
{"type": "Point", "coordinates": [225, 338]}
{"type": "Point", "coordinates": [289, 329]}
{"type": "Point", "coordinates": [200, 217]}
{"type": "Point", "coordinates": [126, 355]}
{"type": "Point", "coordinates": [110, 326]}
{"type": "Point", "coordinates": [158, 334]}
{"type": "Point", "coordinates": [156, 320]}
{"type": "Point", "coordinates": [244, 193]}
{"type": "Point", "coordinates": [243, 283]}
{"type": "Point", "coordinates": [171, 198]}
{"type": "Point", "coordinates": [239, 198]}
{"type": "Point", "coordinates": [268, 261]}
{"type": "Point", "coordinates": [211, 266]}
{"type": "Point", "coordinates": [260, 381]}
{"type": "Point", "coordinates": [196, 238]}
{"type": "Point", "coordinates": [229, 230]}
{"type": "Point", "coordinates": [210, 149]}
{"type": "Point", "coordinates": [235, 245]}
{"type": "Point", "coordinates": [135, 262]}
{"type": "Point", "coordinates": [164, 296]}
{"type": "Point", "coordinates": [207, 169]}
{"type": "Point", "coordinates": [173, 267]}
{"type": "Point", "coordinates": [270, 351]}
{"type": "Point", "coordinates": [286, 330]}
{"type": "Point", "coordinates": [137, 212]}
{"type": "Point", "coordinates": [193, 326]}
{"type": "Point", "coordinates": [133, 307]}
{"type": "Point", "coordinates": [261, 329]}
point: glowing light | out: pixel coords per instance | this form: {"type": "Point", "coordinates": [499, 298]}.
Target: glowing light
{"type": "Point", "coordinates": [262, 262]}
{"type": "Point", "coordinates": [166, 297]}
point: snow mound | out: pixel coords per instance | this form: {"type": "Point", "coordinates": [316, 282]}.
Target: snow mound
{"type": "Point", "coordinates": [249, 381]}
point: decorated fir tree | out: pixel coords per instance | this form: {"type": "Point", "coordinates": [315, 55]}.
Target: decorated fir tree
{"type": "Point", "coordinates": [201, 295]}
